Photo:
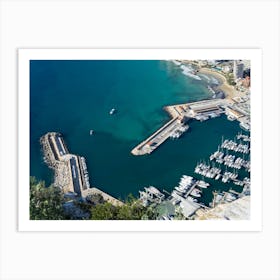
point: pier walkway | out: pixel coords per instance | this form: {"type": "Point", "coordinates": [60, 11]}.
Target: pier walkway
{"type": "Point", "coordinates": [157, 138]}
{"type": "Point", "coordinates": [71, 173]}
{"type": "Point", "coordinates": [180, 114]}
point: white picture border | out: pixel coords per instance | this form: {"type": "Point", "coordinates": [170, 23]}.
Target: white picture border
{"type": "Point", "coordinates": [24, 57]}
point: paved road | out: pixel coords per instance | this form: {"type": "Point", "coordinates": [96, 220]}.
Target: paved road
{"type": "Point", "coordinates": [75, 176]}
{"type": "Point", "coordinates": [59, 146]}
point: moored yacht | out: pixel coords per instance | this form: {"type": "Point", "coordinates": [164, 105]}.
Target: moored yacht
{"type": "Point", "coordinates": [202, 184]}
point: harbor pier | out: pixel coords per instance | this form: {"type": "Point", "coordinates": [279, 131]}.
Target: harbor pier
{"type": "Point", "coordinates": [71, 174]}
{"type": "Point", "coordinates": [160, 136]}
{"type": "Point", "coordinates": [180, 115]}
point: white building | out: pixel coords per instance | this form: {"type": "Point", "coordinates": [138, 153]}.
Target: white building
{"type": "Point", "coordinates": [226, 68]}
{"type": "Point", "coordinates": [188, 208]}
{"type": "Point", "coordinates": [202, 63]}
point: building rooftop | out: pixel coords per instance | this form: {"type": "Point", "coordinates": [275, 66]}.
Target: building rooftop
{"type": "Point", "coordinates": [236, 210]}
{"type": "Point", "coordinates": [188, 207]}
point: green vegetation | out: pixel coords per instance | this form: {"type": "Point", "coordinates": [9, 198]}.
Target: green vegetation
{"type": "Point", "coordinates": [95, 199]}
{"type": "Point", "coordinates": [104, 211]}
{"type": "Point", "coordinates": [45, 202]}
{"type": "Point", "coordinates": [131, 210]}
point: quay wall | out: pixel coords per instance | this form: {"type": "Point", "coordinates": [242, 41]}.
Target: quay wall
{"type": "Point", "coordinates": [143, 143]}
{"type": "Point", "coordinates": [61, 164]}
{"type": "Point", "coordinates": [176, 113]}
{"type": "Point", "coordinates": [50, 155]}
{"type": "Point", "coordinates": [106, 197]}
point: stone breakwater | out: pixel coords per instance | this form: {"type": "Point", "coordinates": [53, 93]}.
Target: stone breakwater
{"type": "Point", "coordinates": [71, 174]}
{"type": "Point", "coordinates": [62, 174]}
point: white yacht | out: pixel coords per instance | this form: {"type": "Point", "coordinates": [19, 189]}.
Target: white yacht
{"type": "Point", "coordinates": [112, 111]}
{"type": "Point", "coordinates": [202, 184]}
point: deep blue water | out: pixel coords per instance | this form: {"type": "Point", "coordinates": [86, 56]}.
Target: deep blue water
{"type": "Point", "coordinates": [73, 97]}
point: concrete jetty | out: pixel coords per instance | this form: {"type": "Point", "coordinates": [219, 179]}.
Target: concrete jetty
{"type": "Point", "coordinates": [157, 138]}
{"type": "Point", "coordinates": [71, 174]}
{"type": "Point", "coordinates": [180, 114]}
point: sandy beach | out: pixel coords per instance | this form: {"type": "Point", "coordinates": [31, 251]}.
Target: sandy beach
{"type": "Point", "coordinates": [225, 87]}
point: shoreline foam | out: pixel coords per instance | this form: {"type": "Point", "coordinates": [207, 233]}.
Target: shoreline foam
{"type": "Point", "coordinates": [229, 90]}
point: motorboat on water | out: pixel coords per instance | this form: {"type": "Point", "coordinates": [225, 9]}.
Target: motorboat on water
{"type": "Point", "coordinates": [245, 126]}
{"type": "Point", "coordinates": [113, 111]}
{"type": "Point", "coordinates": [195, 193]}
{"type": "Point", "coordinates": [202, 184]}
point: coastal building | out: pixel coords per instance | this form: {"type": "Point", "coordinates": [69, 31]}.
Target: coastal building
{"type": "Point", "coordinates": [212, 62]}
{"type": "Point", "coordinates": [233, 113]}
{"type": "Point", "coordinates": [226, 68]}
{"type": "Point", "coordinates": [208, 106]}
{"type": "Point", "coordinates": [202, 63]}
{"type": "Point", "coordinates": [151, 195]}
{"type": "Point", "coordinates": [188, 208]}
{"type": "Point", "coordinates": [238, 69]}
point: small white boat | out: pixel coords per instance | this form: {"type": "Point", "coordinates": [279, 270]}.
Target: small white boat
{"type": "Point", "coordinates": [245, 126]}
{"type": "Point", "coordinates": [195, 193]}
{"type": "Point", "coordinates": [203, 184]}
{"type": "Point", "coordinates": [190, 198]}
{"type": "Point", "coordinates": [112, 111]}
{"type": "Point", "coordinates": [91, 132]}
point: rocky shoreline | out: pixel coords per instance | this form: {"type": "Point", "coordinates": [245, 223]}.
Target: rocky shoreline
{"type": "Point", "coordinates": [61, 172]}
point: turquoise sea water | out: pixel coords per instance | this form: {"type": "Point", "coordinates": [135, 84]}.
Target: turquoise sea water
{"type": "Point", "coordinates": [73, 97]}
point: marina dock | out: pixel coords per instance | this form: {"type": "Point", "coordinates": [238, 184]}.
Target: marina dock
{"type": "Point", "coordinates": [180, 115]}
{"type": "Point", "coordinates": [157, 138]}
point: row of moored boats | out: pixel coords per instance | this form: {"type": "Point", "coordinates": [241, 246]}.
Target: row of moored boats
{"type": "Point", "coordinates": [178, 132]}
{"type": "Point", "coordinates": [189, 188]}
{"type": "Point", "coordinates": [237, 147]}
{"type": "Point", "coordinates": [230, 160]}
{"type": "Point", "coordinates": [85, 172]}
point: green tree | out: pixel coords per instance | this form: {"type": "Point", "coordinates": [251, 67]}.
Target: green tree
{"type": "Point", "coordinates": [105, 211]}
{"type": "Point", "coordinates": [124, 213]}
{"type": "Point", "coordinates": [130, 199]}
{"type": "Point", "coordinates": [45, 202]}
{"type": "Point", "coordinates": [131, 210]}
